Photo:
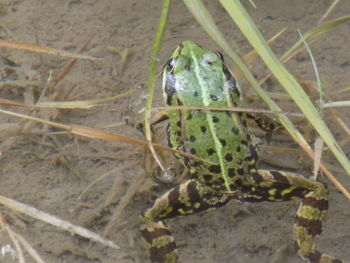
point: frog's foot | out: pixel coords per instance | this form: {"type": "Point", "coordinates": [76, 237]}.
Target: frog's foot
{"type": "Point", "coordinates": [160, 243]}
{"type": "Point", "coordinates": [185, 199]}
{"type": "Point", "coordinates": [281, 186]}
{"type": "Point", "coordinates": [308, 226]}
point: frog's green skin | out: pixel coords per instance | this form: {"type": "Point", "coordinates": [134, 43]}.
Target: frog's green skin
{"type": "Point", "coordinates": [194, 76]}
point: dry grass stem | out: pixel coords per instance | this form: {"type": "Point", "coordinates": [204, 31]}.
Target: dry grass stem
{"type": "Point", "coordinates": [13, 238]}
{"type": "Point", "coordinates": [343, 126]}
{"type": "Point", "coordinates": [31, 251]}
{"type": "Point", "coordinates": [19, 83]}
{"type": "Point", "coordinates": [327, 13]}
{"type": "Point", "coordinates": [94, 182]}
{"type": "Point", "coordinates": [132, 190]}
{"type": "Point", "coordinates": [318, 149]}
{"type": "Point", "coordinates": [69, 65]}
{"type": "Point", "coordinates": [55, 221]}
{"type": "Point", "coordinates": [236, 109]}
{"type": "Point", "coordinates": [46, 50]}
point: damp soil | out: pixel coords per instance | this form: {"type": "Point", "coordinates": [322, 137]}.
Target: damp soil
{"type": "Point", "coordinates": [52, 170]}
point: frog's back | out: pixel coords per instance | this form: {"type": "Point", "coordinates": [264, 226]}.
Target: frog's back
{"type": "Point", "coordinates": [221, 137]}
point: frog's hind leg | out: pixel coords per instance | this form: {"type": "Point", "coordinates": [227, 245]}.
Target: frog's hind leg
{"type": "Point", "coordinates": [185, 199]}
{"type": "Point", "coordinates": [281, 186]}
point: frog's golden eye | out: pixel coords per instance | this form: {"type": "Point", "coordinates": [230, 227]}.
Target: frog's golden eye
{"type": "Point", "coordinates": [209, 59]}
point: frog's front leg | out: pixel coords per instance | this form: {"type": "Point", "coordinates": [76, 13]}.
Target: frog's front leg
{"type": "Point", "coordinates": [184, 199]}
{"type": "Point", "coordinates": [280, 186]}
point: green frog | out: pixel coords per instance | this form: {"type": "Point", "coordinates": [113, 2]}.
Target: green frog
{"type": "Point", "coordinates": [194, 76]}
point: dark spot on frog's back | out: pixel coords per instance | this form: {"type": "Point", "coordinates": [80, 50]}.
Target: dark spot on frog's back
{"type": "Point", "coordinates": [215, 169]}
{"type": "Point", "coordinates": [244, 142]}
{"type": "Point", "coordinates": [214, 97]}
{"type": "Point", "coordinates": [228, 157]}
{"type": "Point", "coordinates": [210, 151]}
{"type": "Point", "coordinates": [203, 129]}
{"type": "Point", "coordinates": [193, 151]}
{"type": "Point", "coordinates": [207, 177]}
{"type": "Point", "coordinates": [235, 130]}
{"type": "Point", "coordinates": [231, 172]}
{"type": "Point", "coordinates": [192, 138]}
{"type": "Point", "coordinates": [195, 94]}
{"type": "Point", "coordinates": [216, 119]}
{"type": "Point", "coordinates": [240, 171]}
{"type": "Point", "coordinates": [187, 67]}
{"type": "Point", "coordinates": [195, 163]}
{"type": "Point", "coordinates": [223, 142]}
{"type": "Point", "coordinates": [218, 183]}
{"type": "Point", "coordinates": [228, 113]}
{"type": "Point", "coordinates": [189, 117]}
{"type": "Point", "coordinates": [248, 159]}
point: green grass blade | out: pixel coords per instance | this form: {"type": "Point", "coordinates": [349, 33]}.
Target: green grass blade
{"type": "Point", "coordinates": [152, 75]}
{"type": "Point", "coordinates": [315, 32]}
{"type": "Point", "coordinates": [204, 18]}
{"type": "Point", "coordinates": [317, 74]}
{"type": "Point", "coordinates": [251, 32]}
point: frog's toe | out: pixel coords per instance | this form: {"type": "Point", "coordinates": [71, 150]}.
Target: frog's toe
{"type": "Point", "coordinates": [160, 242]}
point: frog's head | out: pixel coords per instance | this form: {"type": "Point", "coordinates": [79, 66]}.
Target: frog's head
{"type": "Point", "coordinates": [192, 73]}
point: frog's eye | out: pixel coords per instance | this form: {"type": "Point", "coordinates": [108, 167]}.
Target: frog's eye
{"type": "Point", "coordinates": [209, 59]}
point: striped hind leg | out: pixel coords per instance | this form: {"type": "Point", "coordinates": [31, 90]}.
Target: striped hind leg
{"type": "Point", "coordinates": [185, 199]}
{"type": "Point", "coordinates": [281, 186]}
{"type": "Point", "coordinates": [308, 226]}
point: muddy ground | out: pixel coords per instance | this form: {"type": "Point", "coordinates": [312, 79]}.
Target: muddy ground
{"type": "Point", "coordinates": [49, 169]}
